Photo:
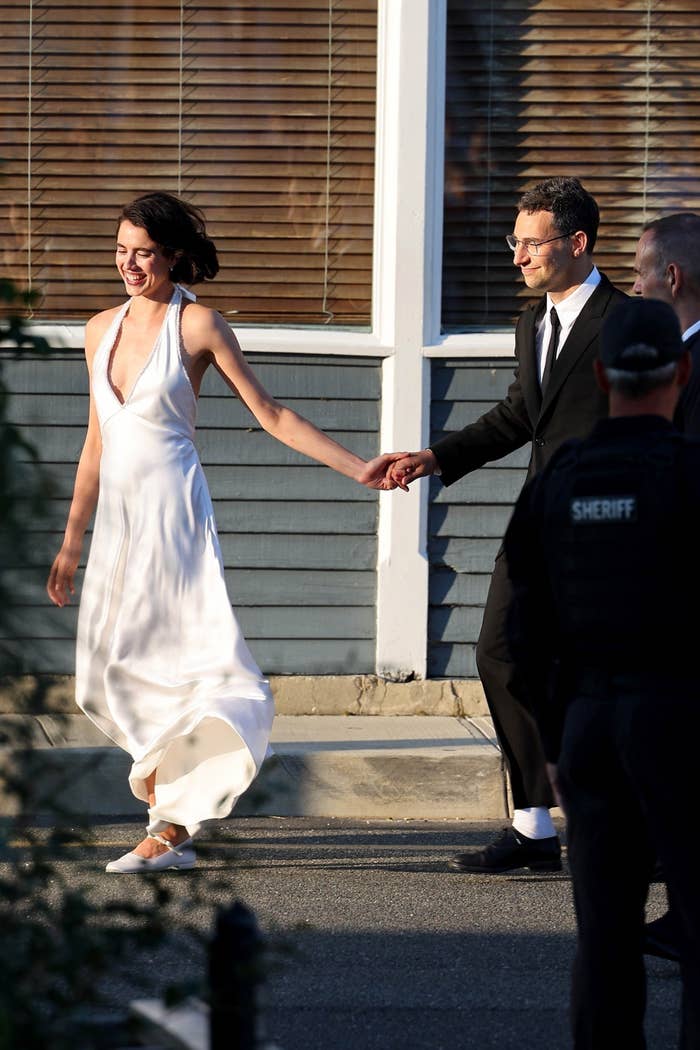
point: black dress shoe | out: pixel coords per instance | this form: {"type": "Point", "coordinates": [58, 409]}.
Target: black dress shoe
{"type": "Point", "coordinates": [511, 850]}
{"type": "Point", "coordinates": [660, 938]}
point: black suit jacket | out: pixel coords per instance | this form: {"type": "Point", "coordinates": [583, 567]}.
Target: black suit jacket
{"type": "Point", "coordinates": [687, 417]}
{"type": "Point", "coordinates": [572, 404]}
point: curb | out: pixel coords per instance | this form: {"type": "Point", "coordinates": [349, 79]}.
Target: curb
{"type": "Point", "coordinates": [323, 766]}
{"type": "Point", "coordinates": [363, 694]}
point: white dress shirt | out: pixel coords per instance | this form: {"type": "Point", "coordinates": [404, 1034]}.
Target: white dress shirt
{"type": "Point", "coordinates": [691, 331]}
{"type": "Point", "coordinates": [568, 310]}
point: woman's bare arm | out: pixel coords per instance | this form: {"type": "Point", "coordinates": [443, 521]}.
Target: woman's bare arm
{"type": "Point", "coordinates": [60, 583]}
{"type": "Point", "coordinates": [203, 328]}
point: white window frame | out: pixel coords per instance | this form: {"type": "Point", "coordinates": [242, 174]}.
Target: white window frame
{"type": "Point", "coordinates": [406, 306]}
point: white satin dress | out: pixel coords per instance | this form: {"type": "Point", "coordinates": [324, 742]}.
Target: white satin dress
{"type": "Point", "coordinates": [162, 667]}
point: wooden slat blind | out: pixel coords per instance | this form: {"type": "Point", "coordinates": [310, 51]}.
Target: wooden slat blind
{"type": "Point", "coordinates": [261, 112]}
{"type": "Point", "coordinates": [607, 90]}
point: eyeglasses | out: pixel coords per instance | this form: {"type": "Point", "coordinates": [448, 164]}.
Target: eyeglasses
{"type": "Point", "coordinates": [532, 247]}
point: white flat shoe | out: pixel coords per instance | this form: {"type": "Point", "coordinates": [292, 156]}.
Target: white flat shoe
{"type": "Point", "coordinates": [177, 857]}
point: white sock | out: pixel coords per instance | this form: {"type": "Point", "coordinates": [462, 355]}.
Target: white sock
{"type": "Point", "coordinates": [534, 822]}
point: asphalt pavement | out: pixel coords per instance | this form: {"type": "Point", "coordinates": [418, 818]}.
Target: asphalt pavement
{"type": "Point", "coordinates": [374, 943]}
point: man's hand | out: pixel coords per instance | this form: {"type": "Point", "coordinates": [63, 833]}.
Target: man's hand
{"type": "Point", "coordinates": [377, 472]}
{"type": "Point", "coordinates": [413, 465]}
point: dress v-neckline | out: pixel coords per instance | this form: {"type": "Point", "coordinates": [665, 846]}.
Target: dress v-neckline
{"type": "Point", "coordinates": [113, 349]}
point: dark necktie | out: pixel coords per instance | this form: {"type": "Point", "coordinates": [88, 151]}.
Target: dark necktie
{"type": "Point", "coordinates": [551, 349]}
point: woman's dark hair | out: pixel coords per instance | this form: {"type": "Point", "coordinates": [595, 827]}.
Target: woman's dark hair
{"type": "Point", "coordinates": [179, 229]}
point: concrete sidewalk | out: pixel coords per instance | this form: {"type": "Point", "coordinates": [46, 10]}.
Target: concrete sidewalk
{"type": "Point", "coordinates": [371, 766]}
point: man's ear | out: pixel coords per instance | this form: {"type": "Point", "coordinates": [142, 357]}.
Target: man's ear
{"type": "Point", "coordinates": [674, 276]}
{"type": "Point", "coordinates": [601, 376]}
{"type": "Point", "coordinates": [579, 242]}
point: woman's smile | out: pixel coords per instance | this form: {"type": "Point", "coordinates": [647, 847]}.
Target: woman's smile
{"type": "Point", "coordinates": [142, 264]}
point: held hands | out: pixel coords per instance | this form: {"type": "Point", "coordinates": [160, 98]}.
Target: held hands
{"type": "Point", "coordinates": [411, 466]}
{"type": "Point", "coordinates": [377, 472]}
{"type": "Point", "coordinates": [398, 469]}
{"type": "Point", "coordinates": [60, 582]}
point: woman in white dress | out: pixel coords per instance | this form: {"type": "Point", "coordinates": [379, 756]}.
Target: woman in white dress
{"type": "Point", "coordinates": [161, 665]}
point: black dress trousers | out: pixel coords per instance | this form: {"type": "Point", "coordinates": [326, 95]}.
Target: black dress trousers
{"type": "Point", "coordinates": [513, 718]}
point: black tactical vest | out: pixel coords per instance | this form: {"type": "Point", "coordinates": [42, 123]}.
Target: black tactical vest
{"type": "Point", "coordinates": [619, 522]}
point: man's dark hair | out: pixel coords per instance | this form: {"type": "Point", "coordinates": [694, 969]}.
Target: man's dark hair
{"type": "Point", "coordinates": [573, 207]}
{"type": "Point", "coordinates": [676, 238]}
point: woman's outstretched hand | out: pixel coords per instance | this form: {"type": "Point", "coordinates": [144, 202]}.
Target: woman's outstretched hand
{"type": "Point", "coordinates": [377, 472]}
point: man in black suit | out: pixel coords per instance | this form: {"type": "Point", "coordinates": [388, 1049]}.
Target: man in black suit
{"type": "Point", "coordinates": [553, 397]}
{"type": "Point", "coordinates": [667, 265]}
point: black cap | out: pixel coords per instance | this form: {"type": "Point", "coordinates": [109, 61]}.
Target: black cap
{"type": "Point", "coordinates": [639, 335]}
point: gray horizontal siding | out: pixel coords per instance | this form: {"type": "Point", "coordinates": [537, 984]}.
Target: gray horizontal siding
{"type": "Point", "coordinates": [56, 656]}
{"type": "Point", "coordinates": [298, 540]}
{"type": "Point", "coordinates": [250, 483]}
{"type": "Point", "coordinates": [284, 375]}
{"type": "Point", "coordinates": [467, 520]}
{"type": "Point", "coordinates": [256, 587]}
{"type": "Point", "coordinates": [260, 550]}
{"type": "Point", "coordinates": [47, 621]}
{"type": "Point", "coordinates": [215, 412]}
{"type": "Point", "coordinates": [279, 516]}
{"type": "Point", "coordinates": [251, 447]}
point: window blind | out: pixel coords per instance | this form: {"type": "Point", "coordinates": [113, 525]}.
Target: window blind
{"type": "Point", "coordinates": [607, 90]}
{"type": "Point", "coordinates": [261, 113]}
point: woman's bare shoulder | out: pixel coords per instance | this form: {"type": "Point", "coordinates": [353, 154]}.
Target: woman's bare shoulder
{"type": "Point", "coordinates": [96, 327]}
{"type": "Point", "coordinates": [200, 324]}
{"type": "Point", "coordinates": [194, 315]}
{"type": "Point", "coordinates": [101, 322]}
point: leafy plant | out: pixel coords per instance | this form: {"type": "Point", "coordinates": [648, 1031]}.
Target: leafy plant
{"type": "Point", "coordinates": [23, 487]}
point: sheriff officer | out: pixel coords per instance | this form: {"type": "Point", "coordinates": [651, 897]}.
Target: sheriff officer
{"type": "Point", "coordinates": [604, 554]}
